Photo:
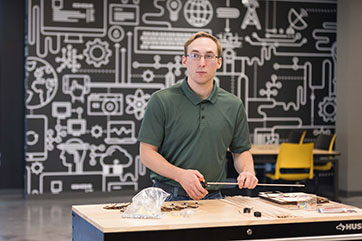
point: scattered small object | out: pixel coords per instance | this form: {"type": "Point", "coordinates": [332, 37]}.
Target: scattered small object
{"type": "Point", "coordinates": [335, 210]}
{"type": "Point", "coordinates": [257, 214]}
{"type": "Point", "coordinates": [307, 202]}
{"type": "Point", "coordinates": [322, 200]}
{"type": "Point", "coordinates": [247, 210]}
{"type": "Point", "coordinates": [177, 207]}
{"type": "Point", "coordinates": [120, 206]}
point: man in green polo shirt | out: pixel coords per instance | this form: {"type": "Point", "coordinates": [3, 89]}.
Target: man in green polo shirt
{"type": "Point", "coordinates": [188, 127]}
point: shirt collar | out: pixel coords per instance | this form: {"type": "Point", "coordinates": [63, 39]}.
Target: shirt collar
{"type": "Point", "coordinates": [194, 98]}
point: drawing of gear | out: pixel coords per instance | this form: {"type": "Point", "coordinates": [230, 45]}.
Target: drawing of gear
{"type": "Point", "coordinates": [327, 109]}
{"type": "Point", "coordinates": [37, 168]}
{"type": "Point", "coordinates": [97, 53]}
{"type": "Point", "coordinates": [148, 75]}
{"type": "Point", "coordinates": [97, 131]}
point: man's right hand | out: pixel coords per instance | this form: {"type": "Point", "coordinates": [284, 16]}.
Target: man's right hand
{"type": "Point", "coordinates": [189, 180]}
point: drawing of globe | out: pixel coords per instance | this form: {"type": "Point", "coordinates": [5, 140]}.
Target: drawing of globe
{"type": "Point", "coordinates": [42, 83]}
{"type": "Point", "coordinates": [198, 13]}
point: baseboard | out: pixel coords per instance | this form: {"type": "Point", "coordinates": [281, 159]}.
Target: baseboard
{"type": "Point", "coordinates": [67, 195]}
{"type": "Point", "coordinates": [343, 193]}
{"type": "Point", "coordinates": [15, 191]}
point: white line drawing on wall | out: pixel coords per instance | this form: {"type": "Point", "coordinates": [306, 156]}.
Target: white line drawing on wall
{"type": "Point", "coordinates": [97, 131]}
{"type": "Point", "coordinates": [36, 139]}
{"type": "Point", "coordinates": [69, 59]}
{"type": "Point", "coordinates": [34, 33]}
{"type": "Point", "coordinates": [251, 16]}
{"type": "Point", "coordinates": [111, 65]}
{"type": "Point", "coordinates": [97, 53]}
{"type": "Point", "coordinates": [116, 33]}
{"type": "Point", "coordinates": [156, 40]}
{"type": "Point", "coordinates": [161, 13]}
{"type": "Point", "coordinates": [174, 7]}
{"type": "Point", "coordinates": [227, 13]}
{"type": "Point", "coordinates": [76, 127]}
{"type": "Point", "coordinates": [61, 15]}
{"type": "Point", "coordinates": [73, 153]}
{"type": "Point", "coordinates": [86, 187]}
{"type": "Point", "coordinates": [136, 104]}
{"type": "Point", "coordinates": [198, 13]}
{"type": "Point", "coordinates": [121, 132]}
{"type": "Point", "coordinates": [42, 83]}
{"type": "Point", "coordinates": [124, 14]}
{"type": "Point", "coordinates": [105, 104]}
{"type": "Point", "coordinates": [327, 109]}
{"type": "Point", "coordinates": [296, 19]}
{"type": "Point", "coordinates": [115, 159]}
{"type": "Point", "coordinates": [58, 182]}
{"type": "Point", "coordinates": [74, 31]}
{"type": "Point", "coordinates": [56, 186]}
{"type": "Point", "coordinates": [37, 167]}
{"type": "Point", "coordinates": [114, 162]}
{"type": "Point", "coordinates": [76, 85]}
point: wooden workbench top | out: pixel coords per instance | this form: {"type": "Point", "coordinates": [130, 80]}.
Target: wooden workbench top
{"type": "Point", "coordinates": [211, 213]}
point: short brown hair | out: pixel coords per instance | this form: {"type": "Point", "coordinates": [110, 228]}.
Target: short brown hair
{"type": "Point", "coordinates": [205, 35]}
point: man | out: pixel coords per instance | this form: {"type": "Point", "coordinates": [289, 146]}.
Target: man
{"type": "Point", "coordinates": [188, 127]}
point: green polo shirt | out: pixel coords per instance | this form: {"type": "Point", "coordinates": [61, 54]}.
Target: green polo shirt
{"type": "Point", "coordinates": [192, 133]}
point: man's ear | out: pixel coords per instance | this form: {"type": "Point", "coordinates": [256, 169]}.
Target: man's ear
{"type": "Point", "coordinates": [219, 63]}
{"type": "Point", "coordinates": [183, 60]}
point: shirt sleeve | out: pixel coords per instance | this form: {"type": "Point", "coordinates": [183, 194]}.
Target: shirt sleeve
{"type": "Point", "coordinates": [241, 139]}
{"type": "Point", "coordinates": [152, 127]}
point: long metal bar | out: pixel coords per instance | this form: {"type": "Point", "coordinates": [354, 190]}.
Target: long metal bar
{"type": "Point", "coordinates": [259, 184]}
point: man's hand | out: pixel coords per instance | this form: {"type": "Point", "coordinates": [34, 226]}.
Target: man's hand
{"type": "Point", "coordinates": [247, 180]}
{"type": "Point", "coordinates": [189, 180]}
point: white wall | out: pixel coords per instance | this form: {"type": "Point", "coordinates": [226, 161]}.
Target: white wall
{"type": "Point", "coordinates": [349, 96]}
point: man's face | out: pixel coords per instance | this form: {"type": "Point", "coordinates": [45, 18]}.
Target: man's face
{"type": "Point", "coordinates": [201, 71]}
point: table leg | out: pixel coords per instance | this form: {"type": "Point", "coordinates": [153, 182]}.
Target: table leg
{"type": "Point", "coordinates": [335, 180]}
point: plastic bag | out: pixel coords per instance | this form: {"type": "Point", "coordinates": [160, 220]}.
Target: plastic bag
{"type": "Point", "coordinates": [146, 204]}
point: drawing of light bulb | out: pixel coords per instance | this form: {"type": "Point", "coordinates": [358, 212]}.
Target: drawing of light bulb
{"type": "Point", "coordinates": [174, 7]}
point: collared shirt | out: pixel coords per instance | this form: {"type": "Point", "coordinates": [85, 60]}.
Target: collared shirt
{"type": "Point", "coordinates": [193, 133]}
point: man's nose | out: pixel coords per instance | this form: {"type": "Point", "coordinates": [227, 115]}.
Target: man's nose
{"type": "Point", "coordinates": [202, 61]}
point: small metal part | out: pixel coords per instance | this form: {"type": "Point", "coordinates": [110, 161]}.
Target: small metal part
{"type": "Point", "coordinates": [247, 210]}
{"type": "Point", "coordinates": [249, 231]}
{"type": "Point", "coordinates": [257, 214]}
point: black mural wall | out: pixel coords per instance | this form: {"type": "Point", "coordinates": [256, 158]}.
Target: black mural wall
{"type": "Point", "coordinates": [93, 64]}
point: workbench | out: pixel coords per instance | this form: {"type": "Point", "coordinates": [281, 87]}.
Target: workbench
{"type": "Point", "coordinates": [221, 219]}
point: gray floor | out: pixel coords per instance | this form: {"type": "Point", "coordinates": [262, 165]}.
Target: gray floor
{"type": "Point", "coordinates": [42, 219]}
{"type": "Point", "coordinates": [50, 218]}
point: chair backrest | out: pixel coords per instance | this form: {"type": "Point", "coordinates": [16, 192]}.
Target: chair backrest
{"type": "Point", "coordinates": [295, 156]}
{"type": "Point", "coordinates": [296, 136]}
{"type": "Point", "coordinates": [325, 142]}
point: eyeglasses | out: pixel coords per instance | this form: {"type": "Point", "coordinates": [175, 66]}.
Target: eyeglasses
{"type": "Point", "coordinates": [207, 57]}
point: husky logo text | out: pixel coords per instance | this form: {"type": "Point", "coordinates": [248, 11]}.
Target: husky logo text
{"type": "Point", "coordinates": [349, 226]}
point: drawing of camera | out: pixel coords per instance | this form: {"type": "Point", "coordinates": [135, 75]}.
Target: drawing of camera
{"type": "Point", "coordinates": [105, 104]}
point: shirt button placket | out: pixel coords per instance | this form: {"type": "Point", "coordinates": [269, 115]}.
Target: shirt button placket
{"type": "Point", "coordinates": [202, 115]}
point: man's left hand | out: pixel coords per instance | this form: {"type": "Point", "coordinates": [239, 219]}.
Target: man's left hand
{"type": "Point", "coordinates": [247, 180]}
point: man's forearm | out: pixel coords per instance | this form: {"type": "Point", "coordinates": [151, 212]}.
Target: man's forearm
{"type": "Point", "coordinates": [243, 162]}
{"type": "Point", "coordinates": [157, 163]}
{"type": "Point", "coordinates": [244, 165]}
{"type": "Point", "coordinates": [188, 179]}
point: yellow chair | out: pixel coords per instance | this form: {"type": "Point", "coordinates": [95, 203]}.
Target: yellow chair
{"type": "Point", "coordinates": [325, 142]}
{"type": "Point", "coordinates": [296, 136]}
{"type": "Point", "coordinates": [291, 160]}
